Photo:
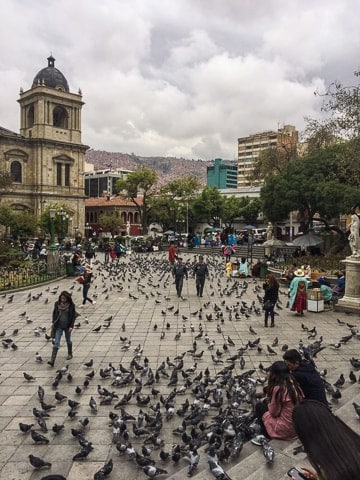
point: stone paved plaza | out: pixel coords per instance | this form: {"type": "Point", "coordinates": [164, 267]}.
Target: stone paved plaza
{"type": "Point", "coordinates": [139, 302]}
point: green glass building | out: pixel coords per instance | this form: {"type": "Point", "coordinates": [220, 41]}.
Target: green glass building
{"type": "Point", "coordinates": [222, 175]}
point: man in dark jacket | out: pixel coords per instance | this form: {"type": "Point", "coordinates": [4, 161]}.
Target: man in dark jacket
{"type": "Point", "coordinates": [306, 375]}
{"type": "Point", "coordinates": [179, 272]}
{"type": "Point", "coordinates": [200, 271]}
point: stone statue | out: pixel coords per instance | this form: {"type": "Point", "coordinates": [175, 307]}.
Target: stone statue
{"type": "Point", "coordinates": [354, 238]}
{"type": "Point", "coordinates": [269, 231]}
{"type": "Point", "coordinates": [128, 228]}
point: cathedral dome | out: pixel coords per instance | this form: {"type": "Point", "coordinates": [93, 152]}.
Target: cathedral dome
{"type": "Point", "coordinates": [51, 77]}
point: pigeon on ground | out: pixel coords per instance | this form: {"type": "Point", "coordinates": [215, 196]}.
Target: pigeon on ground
{"type": "Point", "coordinates": [38, 463]}
{"type": "Point", "coordinates": [152, 471]}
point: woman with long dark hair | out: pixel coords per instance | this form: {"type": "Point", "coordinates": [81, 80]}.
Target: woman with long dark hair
{"type": "Point", "coordinates": [332, 447]}
{"type": "Point", "coordinates": [63, 319]}
{"type": "Point", "coordinates": [282, 395]}
{"type": "Point", "coordinates": [271, 288]}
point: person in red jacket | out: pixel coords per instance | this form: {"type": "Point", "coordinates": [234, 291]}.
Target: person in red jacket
{"type": "Point", "coordinates": [172, 252]}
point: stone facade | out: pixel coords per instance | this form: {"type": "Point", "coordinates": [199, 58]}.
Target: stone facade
{"type": "Point", "coordinates": [46, 159]}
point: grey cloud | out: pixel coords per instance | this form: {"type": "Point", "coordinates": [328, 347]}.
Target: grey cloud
{"type": "Point", "coordinates": [184, 80]}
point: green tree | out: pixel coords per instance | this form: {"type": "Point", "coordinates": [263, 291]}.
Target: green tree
{"type": "Point", "coordinates": [316, 183]}
{"type": "Point", "coordinates": [24, 224]}
{"type": "Point", "coordinates": [142, 182]}
{"type": "Point", "coordinates": [174, 203]}
{"type": "Point", "coordinates": [209, 206]}
{"type": "Point", "coordinates": [6, 217]}
{"type": "Point", "coordinates": [5, 179]}
{"type": "Point", "coordinates": [61, 219]}
{"type": "Point", "coordinates": [112, 221]}
{"type": "Point", "coordinates": [272, 161]}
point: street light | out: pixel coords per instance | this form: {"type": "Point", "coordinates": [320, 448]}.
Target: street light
{"type": "Point", "coordinates": [64, 222]}
{"type": "Point", "coordinates": [88, 228]}
{"type": "Point", "coordinates": [52, 213]}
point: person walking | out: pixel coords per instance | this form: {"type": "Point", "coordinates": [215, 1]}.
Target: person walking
{"type": "Point", "coordinates": [171, 253]}
{"type": "Point", "coordinates": [89, 254]}
{"type": "Point", "coordinates": [179, 272]}
{"type": "Point", "coordinates": [201, 271]}
{"type": "Point", "coordinates": [63, 319]}
{"type": "Point", "coordinates": [85, 280]}
{"type": "Point", "coordinates": [107, 249]}
{"type": "Point", "coordinates": [271, 288]}
{"type": "Point", "coordinates": [298, 292]}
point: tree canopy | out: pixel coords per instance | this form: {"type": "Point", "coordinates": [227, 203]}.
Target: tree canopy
{"type": "Point", "coordinates": [174, 203]}
{"type": "Point", "coordinates": [317, 183]}
{"type": "Point", "coordinates": [142, 182]}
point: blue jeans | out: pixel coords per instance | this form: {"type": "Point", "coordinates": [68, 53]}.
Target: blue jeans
{"type": "Point", "coordinates": [86, 287]}
{"type": "Point", "coordinates": [58, 334]}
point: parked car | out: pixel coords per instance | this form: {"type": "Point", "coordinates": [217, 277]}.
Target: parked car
{"type": "Point", "coordinates": [258, 233]}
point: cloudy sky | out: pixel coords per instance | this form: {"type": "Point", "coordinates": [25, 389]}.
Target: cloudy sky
{"type": "Point", "coordinates": [181, 77]}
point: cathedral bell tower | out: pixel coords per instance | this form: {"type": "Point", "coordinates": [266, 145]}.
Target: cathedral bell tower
{"type": "Point", "coordinates": [49, 110]}
{"type": "Point", "coordinates": [50, 127]}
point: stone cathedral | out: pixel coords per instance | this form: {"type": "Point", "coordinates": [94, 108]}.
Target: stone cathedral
{"type": "Point", "coordinates": [46, 159]}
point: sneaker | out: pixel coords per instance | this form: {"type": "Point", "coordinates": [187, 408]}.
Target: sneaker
{"type": "Point", "coordinates": [258, 440]}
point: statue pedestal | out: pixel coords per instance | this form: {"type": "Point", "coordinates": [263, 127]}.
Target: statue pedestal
{"type": "Point", "coordinates": [350, 302]}
{"type": "Point", "coordinates": [53, 262]}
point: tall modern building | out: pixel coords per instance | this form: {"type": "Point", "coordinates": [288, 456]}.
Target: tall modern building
{"type": "Point", "coordinates": [46, 160]}
{"type": "Point", "coordinates": [100, 182]}
{"type": "Point", "coordinates": [250, 147]}
{"type": "Point", "coordinates": [222, 174]}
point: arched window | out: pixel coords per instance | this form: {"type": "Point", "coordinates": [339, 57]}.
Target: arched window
{"type": "Point", "coordinates": [60, 117]}
{"type": "Point", "coordinates": [30, 116]}
{"type": "Point", "coordinates": [16, 172]}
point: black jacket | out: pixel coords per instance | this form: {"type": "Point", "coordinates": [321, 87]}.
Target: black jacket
{"type": "Point", "coordinates": [180, 270]}
{"type": "Point", "coordinates": [72, 314]}
{"type": "Point", "coordinates": [310, 382]}
{"type": "Point", "coordinates": [201, 270]}
{"type": "Point", "coordinates": [271, 294]}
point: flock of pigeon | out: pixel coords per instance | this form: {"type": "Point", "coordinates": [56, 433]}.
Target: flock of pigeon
{"type": "Point", "coordinates": [161, 413]}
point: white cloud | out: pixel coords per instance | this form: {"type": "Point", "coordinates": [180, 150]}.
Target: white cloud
{"type": "Point", "coordinates": [182, 78]}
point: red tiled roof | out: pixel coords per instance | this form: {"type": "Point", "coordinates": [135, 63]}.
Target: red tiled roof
{"type": "Point", "coordinates": [111, 202]}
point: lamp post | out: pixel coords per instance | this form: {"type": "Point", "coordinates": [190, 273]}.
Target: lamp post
{"type": "Point", "coordinates": [53, 256]}
{"type": "Point", "coordinates": [88, 228]}
{"type": "Point", "coordinates": [52, 213]}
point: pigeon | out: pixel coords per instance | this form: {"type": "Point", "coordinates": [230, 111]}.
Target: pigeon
{"type": "Point", "coordinates": [105, 470]}
{"type": "Point", "coordinates": [38, 357]}
{"type": "Point", "coordinates": [89, 364]}
{"type": "Point", "coordinates": [152, 471]}
{"type": "Point", "coordinates": [38, 438]}
{"type": "Point", "coordinates": [28, 377]}
{"type": "Point", "coordinates": [25, 427]}
{"type": "Point", "coordinates": [357, 408]}
{"type": "Point", "coordinates": [217, 470]}
{"type": "Point", "coordinates": [38, 463]}
{"type": "Point", "coordinates": [268, 451]}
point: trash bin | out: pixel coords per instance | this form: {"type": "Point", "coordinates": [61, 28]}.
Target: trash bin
{"type": "Point", "coordinates": [69, 267]}
{"type": "Point", "coordinates": [263, 270]}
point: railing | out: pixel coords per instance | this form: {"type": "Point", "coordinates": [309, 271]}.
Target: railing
{"type": "Point", "coordinates": [12, 278]}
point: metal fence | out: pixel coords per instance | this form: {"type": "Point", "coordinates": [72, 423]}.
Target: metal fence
{"type": "Point", "coordinates": [12, 278]}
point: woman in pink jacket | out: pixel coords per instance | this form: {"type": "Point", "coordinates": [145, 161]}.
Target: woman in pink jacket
{"type": "Point", "coordinates": [283, 394]}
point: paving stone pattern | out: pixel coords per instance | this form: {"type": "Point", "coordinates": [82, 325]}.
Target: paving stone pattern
{"type": "Point", "coordinates": [138, 296]}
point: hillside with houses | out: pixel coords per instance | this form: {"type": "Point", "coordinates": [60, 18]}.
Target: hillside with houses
{"type": "Point", "coordinates": [168, 168]}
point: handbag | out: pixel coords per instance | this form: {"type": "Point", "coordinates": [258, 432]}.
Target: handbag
{"type": "Point", "coordinates": [268, 305]}
{"type": "Point", "coordinates": [52, 331]}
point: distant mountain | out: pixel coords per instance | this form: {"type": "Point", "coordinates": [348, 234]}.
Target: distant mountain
{"type": "Point", "coordinates": [167, 168]}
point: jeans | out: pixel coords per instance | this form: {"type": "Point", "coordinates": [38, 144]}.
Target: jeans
{"type": "Point", "coordinates": [179, 285]}
{"type": "Point", "coordinates": [200, 282]}
{"type": "Point", "coordinates": [58, 333]}
{"type": "Point", "coordinates": [86, 287]}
